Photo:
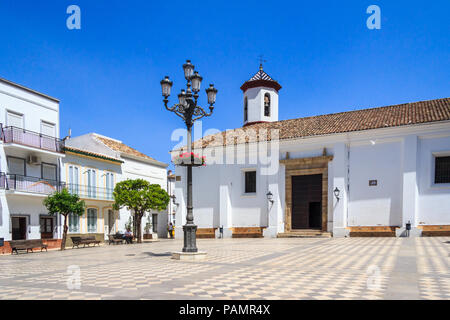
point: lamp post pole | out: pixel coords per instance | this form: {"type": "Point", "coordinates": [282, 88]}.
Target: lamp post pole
{"type": "Point", "coordinates": [189, 229]}
{"type": "Point", "coordinates": [188, 110]}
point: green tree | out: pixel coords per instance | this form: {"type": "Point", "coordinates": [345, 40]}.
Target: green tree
{"type": "Point", "coordinates": [64, 203]}
{"type": "Point", "coordinates": [139, 196]}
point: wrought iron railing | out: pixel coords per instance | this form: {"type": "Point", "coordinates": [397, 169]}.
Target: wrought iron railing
{"type": "Point", "coordinates": [32, 139]}
{"type": "Point", "coordinates": [22, 183]}
{"type": "Point", "coordinates": [90, 192]}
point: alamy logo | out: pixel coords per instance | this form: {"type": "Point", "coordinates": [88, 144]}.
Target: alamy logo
{"type": "Point", "coordinates": [373, 278]}
{"type": "Point", "coordinates": [74, 20]}
{"type": "Point", "coordinates": [74, 277]}
{"type": "Point", "coordinates": [374, 20]}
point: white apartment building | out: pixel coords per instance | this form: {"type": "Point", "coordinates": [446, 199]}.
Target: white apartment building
{"type": "Point", "coordinates": [35, 162]}
{"type": "Point", "coordinates": [30, 161]}
{"type": "Point", "coordinates": [93, 165]}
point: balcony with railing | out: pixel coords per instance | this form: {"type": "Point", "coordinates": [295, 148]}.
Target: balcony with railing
{"type": "Point", "coordinates": [91, 192]}
{"type": "Point", "coordinates": [32, 139]}
{"type": "Point", "coordinates": [16, 182]}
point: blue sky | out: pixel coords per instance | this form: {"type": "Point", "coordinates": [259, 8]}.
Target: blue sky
{"type": "Point", "coordinates": [107, 74]}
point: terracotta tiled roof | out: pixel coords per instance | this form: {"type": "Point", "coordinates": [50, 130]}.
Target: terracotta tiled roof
{"type": "Point", "coordinates": [358, 120]}
{"type": "Point", "coordinates": [123, 148]}
{"type": "Point", "coordinates": [90, 153]}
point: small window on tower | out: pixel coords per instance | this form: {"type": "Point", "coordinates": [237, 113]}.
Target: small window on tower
{"type": "Point", "coordinates": [245, 109]}
{"type": "Point", "coordinates": [267, 105]}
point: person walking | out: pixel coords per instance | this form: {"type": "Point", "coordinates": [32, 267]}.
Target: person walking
{"type": "Point", "coordinates": [170, 229]}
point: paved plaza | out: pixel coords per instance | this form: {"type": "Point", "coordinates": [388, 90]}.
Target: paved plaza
{"type": "Point", "coordinates": [345, 268]}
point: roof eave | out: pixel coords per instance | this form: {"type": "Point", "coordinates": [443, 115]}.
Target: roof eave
{"type": "Point", "coordinates": [150, 161]}
{"type": "Point", "coordinates": [29, 90]}
{"type": "Point", "coordinates": [260, 83]}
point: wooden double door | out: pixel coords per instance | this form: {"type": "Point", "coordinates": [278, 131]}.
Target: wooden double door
{"type": "Point", "coordinates": [19, 228]}
{"type": "Point", "coordinates": [307, 201]}
{"type": "Point", "coordinates": [47, 226]}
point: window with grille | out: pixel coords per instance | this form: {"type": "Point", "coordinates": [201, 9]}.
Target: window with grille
{"type": "Point", "coordinates": [250, 181]}
{"type": "Point", "coordinates": [155, 222]}
{"type": "Point", "coordinates": [73, 180]}
{"type": "Point", "coordinates": [109, 177]}
{"type": "Point", "coordinates": [92, 220]}
{"type": "Point", "coordinates": [74, 223]}
{"type": "Point", "coordinates": [91, 183]}
{"type": "Point", "coordinates": [442, 170]}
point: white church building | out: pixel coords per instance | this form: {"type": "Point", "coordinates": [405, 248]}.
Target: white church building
{"type": "Point", "coordinates": [370, 172]}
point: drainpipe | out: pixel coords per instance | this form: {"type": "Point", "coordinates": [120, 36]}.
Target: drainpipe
{"type": "Point", "coordinates": [265, 199]}
{"type": "Point", "coordinates": [169, 191]}
{"type": "Point", "coordinates": [348, 177]}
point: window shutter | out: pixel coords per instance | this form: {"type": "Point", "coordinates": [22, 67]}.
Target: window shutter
{"type": "Point", "coordinates": [14, 120]}
{"type": "Point", "coordinates": [16, 166]}
{"type": "Point", "coordinates": [47, 129]}
{"type": "Point", "coordinates": [48, 172]}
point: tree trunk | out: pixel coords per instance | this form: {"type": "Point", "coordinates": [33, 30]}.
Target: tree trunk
{"type": "Point", "coordinates": [63, 242]}
{"type": "Point", "coordinates": [138, 227]}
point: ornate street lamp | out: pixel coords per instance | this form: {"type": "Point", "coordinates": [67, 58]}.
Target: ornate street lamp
{"type": "Point", "coordinates": [188, 110]}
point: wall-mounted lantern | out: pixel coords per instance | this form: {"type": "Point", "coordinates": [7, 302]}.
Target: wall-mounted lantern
{"type": "Point", "coordinates": [336, 193]}
{"type": "Point", "coordinates": [270, 197]}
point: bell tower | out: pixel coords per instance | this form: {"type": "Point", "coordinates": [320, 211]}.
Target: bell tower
{"type": "Point", "coordinates": [260, 98]}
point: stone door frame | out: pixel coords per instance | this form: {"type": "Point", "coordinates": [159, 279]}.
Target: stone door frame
{"type": "Point", "coordinates": [305, 166]}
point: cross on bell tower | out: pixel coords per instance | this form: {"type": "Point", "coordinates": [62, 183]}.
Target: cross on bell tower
{"type": "Point", "coordinates": [261, 61]}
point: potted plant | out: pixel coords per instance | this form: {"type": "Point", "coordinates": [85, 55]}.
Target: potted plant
{"type": "Point", "coordinates": [147, 230]}
{"type": "Point", "coordinates": [189, 159]}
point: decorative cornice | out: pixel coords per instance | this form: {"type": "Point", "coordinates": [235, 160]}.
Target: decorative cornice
{"type": "Point", "coordinates": [306, 161]}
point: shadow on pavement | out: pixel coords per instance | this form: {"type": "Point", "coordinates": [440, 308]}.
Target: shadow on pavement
{"type": "Point", "coordinates": [164, 254]}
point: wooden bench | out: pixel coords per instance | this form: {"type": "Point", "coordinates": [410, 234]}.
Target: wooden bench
{"type": "Point", "coordinates": [115, 238]}
{"type": "Point", "coordinates": [247, 232]}
{"type": "Point", "coordinates": [27, 245]}
{"type": "Point", "coordinates": [435, 230]}
{"type": "Point", "coordinates": [76, 241]}
{"type": "Point", "coordinates": [372, 231]}
{"type": "Point", "coordinates": [206, 233]}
